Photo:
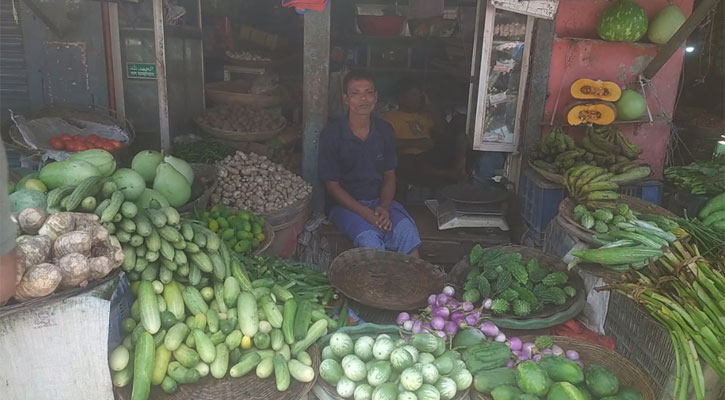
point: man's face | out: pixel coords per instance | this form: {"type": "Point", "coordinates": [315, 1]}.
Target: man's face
{"type": "Point", "coordinates": [360, 96]}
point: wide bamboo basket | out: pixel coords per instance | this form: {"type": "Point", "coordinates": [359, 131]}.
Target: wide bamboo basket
{"type": "Point", "coordinates": [256, 136]}
{"type": "Point", "coordinates": [237, 92]}
{"type": "Point", "coordinates": [590, 353]}
{"type": "Point", "coordinates": [385, 280]}
{"type": "Point", "coordinates": [205, 183]}
{"type": "Point", "coordinates": [248, 387]}
{"type": "Point", "coordinates": [566, 211]}
{"type": "Point", "coordinates": [551, 315]}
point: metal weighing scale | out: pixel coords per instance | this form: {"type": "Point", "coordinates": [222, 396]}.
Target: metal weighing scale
{"type": "Point", "coordinates": [469, 206]}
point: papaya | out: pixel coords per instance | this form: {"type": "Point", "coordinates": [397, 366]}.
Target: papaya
{"type": "Point", "coordinates": [600, 113]}
{"type": "Point", "coordinates": [564, 391]}
{"type": "Point", "coordinates": [600, 381]}
{"type": "Point", "coordinates": [589, 89]}
{"type": "Point", "coordinates": [561, 369]}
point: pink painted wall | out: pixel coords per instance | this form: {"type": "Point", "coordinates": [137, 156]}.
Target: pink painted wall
{"type": "Point", "coordinates": [576, 53]}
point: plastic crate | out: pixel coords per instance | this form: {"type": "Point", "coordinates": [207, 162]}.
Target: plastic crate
{"type": "Point", "coordinates": [539, 199]}
{"type": "Point", "coordinates": [685, 204]}
{"type": "Point", "coordinates": [559, 242]}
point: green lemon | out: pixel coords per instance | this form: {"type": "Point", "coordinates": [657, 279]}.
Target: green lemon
{"type": "Point", "coordinates": [213, 225]}
{"type": "Point", "coordinates": [35, 184]}
{"type": "Point", "coordinates": [227, 233]}
{"type": "Point", "coordinates": [247, 226]}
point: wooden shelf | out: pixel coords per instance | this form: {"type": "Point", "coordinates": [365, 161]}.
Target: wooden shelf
{"type": "Point", "coordinates": [655, 119]}
{"type": "Point", "coordinates": [635, 44]}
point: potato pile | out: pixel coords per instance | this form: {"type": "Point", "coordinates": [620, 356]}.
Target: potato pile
{"type": "Point", "coordinates": [253, 182]}
{"type": "Point", "coordinates": [246, 56]}
{"type": "Point", "coordinates": [61, 251]}
{"type": "Point", "coordinates": [241, 119]}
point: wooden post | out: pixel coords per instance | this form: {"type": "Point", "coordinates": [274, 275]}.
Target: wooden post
{"type": "Point", "coordinates": [161, 77]}
{"type": "Point", "coordinates": [316, 80]}
{"type": "Point", "coordinates": [667, 50]}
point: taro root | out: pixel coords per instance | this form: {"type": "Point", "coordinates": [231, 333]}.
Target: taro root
{"type": "Point", "coordinates": [39, 280]}
{"type": "Point", "coordinates": [74, 269]}
{"type": "Point", "coordinates": [90, 223]}
{"type": "Point", "coordinates": [72, 242]}
{"type": "Point", "coordinates": [57, 224]}
{"type": "Point", "coordinates": [112, 250]}
{"type": "Point", "coordinates": [33, 250]}
{"type": "Point", "coordinates": [99, 267]}
{"type": "Point", "coordinates": [32, 219]}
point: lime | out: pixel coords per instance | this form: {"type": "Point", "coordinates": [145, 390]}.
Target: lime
{"type": "Point", "coordinates": [237, 223]}
{"type": "Point", "coordinates": [247, 226]}
{"type": "Point", "coordinates": [241, 234]}
{"type": "Point", "coordinates": [245, 215]}
{"type": "Point", "coordinates": [213, 225]}
{"type": "Point", "coordinates": [227, 234]}
{"type": "Point", "coordinates": [35, 184]}
{"type": "Point", "coordinates": [231, 242]}
{"type": "Point", "coordinates": [242, 246]}
{"type": "Point", "coordinates": [223, 223]}
{"type": "Point", "coordinates": [256, 229]}
{"type": "Point", "coordinates": [214, 209]}
{"type": "Point", "coordinates": [260, 237]}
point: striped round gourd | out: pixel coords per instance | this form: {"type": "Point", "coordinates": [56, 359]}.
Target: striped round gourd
{"type": "Point", "coordinates": [623, 21]}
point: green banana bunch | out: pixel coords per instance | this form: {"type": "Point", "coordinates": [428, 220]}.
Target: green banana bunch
{"type": "Point", "coordinates": [590, 183]}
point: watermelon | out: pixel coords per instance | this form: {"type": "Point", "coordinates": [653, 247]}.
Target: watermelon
{"type": "Point", "coordinates": [630, 106]}
{"type": "Point", "coordinates": [623, 21]}
{"type": "Point", "coordinates": [665, 24]}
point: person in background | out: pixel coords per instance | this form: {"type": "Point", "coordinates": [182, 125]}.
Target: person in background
{"type": "Point", "coordinates": [357, 162]}
{"type": "Point", "coordinates": [425, 148]}
{"type": "Point", "coordinates": [8, 258]}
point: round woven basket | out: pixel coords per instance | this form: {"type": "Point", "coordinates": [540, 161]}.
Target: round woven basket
{"type": "Point", "coordinates": [257, 136]}
{"type": "Point", "coordinates": [204, 184]}
{"type": "Point", "coordinates": [248, 387]}
{"type": "Point", "coordinates": [550, 176]}
{"type": "Point", "coordinates": [268, 238]}
{"type": "Point", "coordinates": [550, 315]}
{"type": "Point", "coordinates": [237, 92]}
{"type": "Point", "coordinates": [590, 353]}
{"type": "Point", "coordinates": [104, 287]}
{"type": "Point", "coordinates": [385, 280]}
{"type": "Point", "coordinates": [566, 211]}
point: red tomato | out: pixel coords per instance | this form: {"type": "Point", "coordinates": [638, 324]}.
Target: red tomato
{"type": "Point", "coordinates": [65, 136]}
{"type": "Point", "coordinates": [108, 147]}
{"type": "Point", "coordinates": [82, 146]}
{"type": "Point", "coordinates": [57, 143]}
{"type": "Point", "coordinates": [93, 137]}
{"type": "Point", "coordinates": [79, 137]}
{"type": "Point", "coordinates": [72, 145]}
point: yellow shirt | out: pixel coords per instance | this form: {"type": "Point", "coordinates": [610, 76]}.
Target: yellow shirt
{"type": "Point", "coordinates": [411, 126]}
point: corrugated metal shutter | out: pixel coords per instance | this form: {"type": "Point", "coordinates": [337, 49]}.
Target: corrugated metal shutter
{"type": "Point", "coordinates": [13, 69]}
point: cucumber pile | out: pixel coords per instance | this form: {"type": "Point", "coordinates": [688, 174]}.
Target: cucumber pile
{"type": "Point", "coordinates": [179, 332]}
{"type": "Point", "coordinates": [626, 239]}
{"type": "Point", "coordinates": [386, 367]}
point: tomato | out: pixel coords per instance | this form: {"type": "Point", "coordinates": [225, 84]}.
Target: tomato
{"type": "Point", "coordinates": [72, 146]}
{"type": "Point", "coordinates": [93, 137]}
{"type": "Point", "coordinates": [57, 143]}
{"type": "Point", "coordinates": [65, 137]}
{"type": "Point", "coordinates": [82, 146]}
{"type": "Point", "coordinates": [79, 137]}
{"type": "Point", "coordinates": [108, 147]}
{"type": "Point", "coordinates": [117, 144]}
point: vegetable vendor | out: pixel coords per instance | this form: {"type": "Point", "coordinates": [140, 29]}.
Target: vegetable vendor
{"type": "Point", "coordinates": [357, 161]}
{"type": "Point", "coordinates": [8, 258]}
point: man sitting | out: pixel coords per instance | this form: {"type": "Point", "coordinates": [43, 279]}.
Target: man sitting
{"type": "Point", "coordinates": [357, 161]}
